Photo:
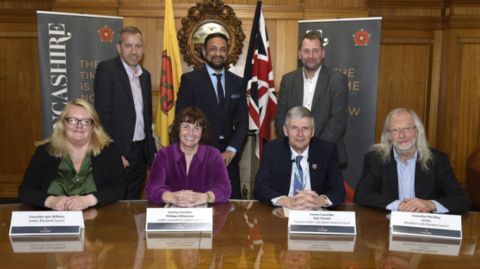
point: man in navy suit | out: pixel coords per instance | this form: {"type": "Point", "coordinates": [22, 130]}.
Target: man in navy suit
{"type": "Point", "coordinates": [300, 171]}
{"type": "Point", "coordinates": [123, 100]}
{"type": "Point", "coordinates": [220, 95]}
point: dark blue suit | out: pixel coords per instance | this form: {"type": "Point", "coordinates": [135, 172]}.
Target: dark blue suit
{"type": "Point", "coordinates": [196, 90]}
{"type": "Point", "coordinates": [274, 175]}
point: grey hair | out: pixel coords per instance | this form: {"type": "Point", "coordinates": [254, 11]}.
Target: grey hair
{"type": "Point", "coordinates": [383, 149]}
{"type": "Point", "coordinates": [131, 30]}
{"type": "Point", "coordinates": [298, 113]}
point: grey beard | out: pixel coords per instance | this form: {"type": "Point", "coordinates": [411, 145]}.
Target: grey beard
{"type": "Point", "coordinates": [410, 149]}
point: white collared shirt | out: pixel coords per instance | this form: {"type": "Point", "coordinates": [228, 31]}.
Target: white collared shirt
{"type": "Point", "coordinates": [309, 86]}
{"type": "Point", "coordinates": [134, 79]}
{"type": "Point", "coordinates": [305, 168]}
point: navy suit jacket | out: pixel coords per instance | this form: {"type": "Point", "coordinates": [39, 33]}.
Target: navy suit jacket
{"type": "Point", "coordinates": [196, 90]}
{"type": "Point", "coordinates": [274, 175]}
{"type": "Point", "coordinates": [378, 186]}
{"type": "Point", "coordinates": [114, 105]}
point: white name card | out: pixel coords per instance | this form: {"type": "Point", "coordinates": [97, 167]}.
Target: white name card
{"type": "Point", "coordinates": [179, 219]}
{"type": "Point", "coordinates": [46, 222]}
{"type": "Point", "coordinates": [425, 245]}
{"type": "Point", "coordinates": [169, 240]}
{"type": "Point", "coordinates": [324, 242]}
{"type": "Point", "coordinates": [322, 222]}
{"type": "Point", "coordinates": [426, 224]}
{"type": "Point", "coordinates": [45, 244]}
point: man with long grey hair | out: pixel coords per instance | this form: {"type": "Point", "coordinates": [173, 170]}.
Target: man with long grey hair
{"type": "Point", "coordinates": [299, 171]}
{"type": "Point", "coordinates": [402, 173]}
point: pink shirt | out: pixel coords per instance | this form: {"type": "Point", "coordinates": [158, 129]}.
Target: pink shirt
{"type": "Point", "coordinates": [139, 133]}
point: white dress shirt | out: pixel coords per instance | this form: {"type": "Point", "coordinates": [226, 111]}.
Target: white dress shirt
{"type": "Point", "coordinates": [309, 86]}
{"type": "Point", "coordinates": [305, 168]}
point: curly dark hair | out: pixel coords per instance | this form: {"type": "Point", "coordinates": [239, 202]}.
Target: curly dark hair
{"type": "Point", "coordinates": [194, 116]}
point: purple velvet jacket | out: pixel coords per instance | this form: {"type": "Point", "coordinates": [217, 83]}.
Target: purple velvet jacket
{"type": "Point", "coordinates": [207, 173]}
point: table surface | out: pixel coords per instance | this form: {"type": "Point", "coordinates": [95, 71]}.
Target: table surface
{"type": "Point", "coordinates": [246, 234]}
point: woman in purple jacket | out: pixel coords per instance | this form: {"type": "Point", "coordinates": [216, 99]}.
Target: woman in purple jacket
{"type": "Point", "coordinates": [189, 172]}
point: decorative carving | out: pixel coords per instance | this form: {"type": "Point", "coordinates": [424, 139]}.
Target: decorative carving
{"type": "Point", "coordinates": [209, 17]}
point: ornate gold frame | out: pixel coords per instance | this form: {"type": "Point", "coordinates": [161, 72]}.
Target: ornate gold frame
{"type": "Point", "coordinates": [213, 11]}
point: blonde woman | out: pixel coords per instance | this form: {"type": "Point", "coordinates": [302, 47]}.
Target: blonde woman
{"type": "Point", "coordinates": [78, 167]}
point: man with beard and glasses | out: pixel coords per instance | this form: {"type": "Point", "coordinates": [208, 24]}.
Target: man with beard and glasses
{"type": "Point", "coordinates": [221, 97]}
{"type": "Point", "coordinates": [403, 174]}
{"type": "Point", "coordinates": [320, 89]}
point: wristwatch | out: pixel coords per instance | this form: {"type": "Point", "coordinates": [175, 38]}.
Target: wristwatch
{"type": "Point", "coordinates": [209, 199]}
{"type": "Point", "coordinates": [327, 201]}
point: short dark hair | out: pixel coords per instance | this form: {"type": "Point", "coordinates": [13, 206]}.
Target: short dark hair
{"type": "Point", "coordinates": [210, 36]}
{"type": "Point", "coordinates": [191, 115]}
{"type": "Point", "coordinates": [312, 35]}
{"type": "Point", "coordinates": [131, 30]}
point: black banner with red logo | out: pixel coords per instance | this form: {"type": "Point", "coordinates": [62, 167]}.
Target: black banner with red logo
{"type": "Point", "coordinates": [70, 47]}
{"type": "Point", "coordinates": [352, 46]}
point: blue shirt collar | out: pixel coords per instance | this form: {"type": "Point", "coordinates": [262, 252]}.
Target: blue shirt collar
{"type": "Point", "coordinates": [211, 71]}
{"type": "Point", "coordinates": [397, 158]}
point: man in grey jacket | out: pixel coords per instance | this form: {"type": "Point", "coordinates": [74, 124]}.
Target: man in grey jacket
{"type": "Point", "coordinates": [320, 89]}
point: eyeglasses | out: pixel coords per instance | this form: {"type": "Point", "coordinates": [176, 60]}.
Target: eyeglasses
{"type": "Point", "coordinates": [406, 130]}
{"type": "Point", "coordinates": [214, 49]}
{"type": "Point", "coordinates": [75, 121]}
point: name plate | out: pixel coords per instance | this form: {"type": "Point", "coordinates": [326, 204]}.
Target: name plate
{"type": "Point", "coordinates": [425, 245]}
{"type": "Point", "coordinates": [168, 240]}
{"type": "Point", "coordinates": [322, 222]}
{"type": "Point", "coordinates": [336, 243]}
{"type": "Point", "coordinates": [426, 224]}
{"type": "Point", "coordinates": [45, 244]}
{"type": "Point", "coordinates": [46, 222]}
{"type": "Point", "coordinates": [179, 219]}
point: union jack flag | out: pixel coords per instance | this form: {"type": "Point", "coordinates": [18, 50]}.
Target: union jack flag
{"type": "Point", "coordinates": [258, 78]}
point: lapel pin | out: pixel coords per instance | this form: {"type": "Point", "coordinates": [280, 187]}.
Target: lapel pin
{"type": "Point", "coordinates": [314, 166]}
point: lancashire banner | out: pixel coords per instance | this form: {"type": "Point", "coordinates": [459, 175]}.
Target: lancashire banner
{"type": "Point", "coordinates": [70, 47]}
{"type": "Point", "coordinates": [352, 46]}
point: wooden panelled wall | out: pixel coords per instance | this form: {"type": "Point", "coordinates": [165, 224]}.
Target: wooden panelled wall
{"type": "Point", "coordinates": [429, 62]}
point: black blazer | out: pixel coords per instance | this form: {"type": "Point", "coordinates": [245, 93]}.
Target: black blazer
{"type": "Point", "coordinates": [274, 175]}
{"type": "Point", "coordinates": [196, 90]}
{"type": "Point", "coordinates": [107, 168]}
{"type": "Point", "coordinates": [378, 186]}
{"type": "Point", "coordinates": [114, 104]}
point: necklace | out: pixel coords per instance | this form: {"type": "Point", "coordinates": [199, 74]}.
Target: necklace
{"type": "Point", "coordinates": [77, 156]}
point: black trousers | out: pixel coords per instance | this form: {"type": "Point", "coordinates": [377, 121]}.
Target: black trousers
{"type": "Point", "coordinates": [137, 170]}
{"type": "Point", "coordinates": [234, 174]}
